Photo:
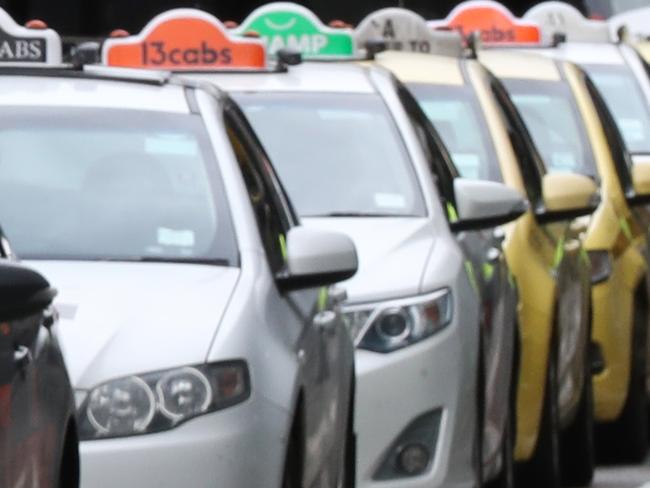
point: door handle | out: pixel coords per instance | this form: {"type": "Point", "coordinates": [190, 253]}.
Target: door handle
{"type": "Point", "coordinates": [572, 245]}
{"type": "Point", "coordinates": [22, 356]}
{"type": "Point", "coordinates": [499, 235]}
{"type": "Point", "coordinates": [493, 255]}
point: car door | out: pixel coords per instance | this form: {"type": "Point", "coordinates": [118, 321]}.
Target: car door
{"type": "Point", "coordinates": [324, 346]}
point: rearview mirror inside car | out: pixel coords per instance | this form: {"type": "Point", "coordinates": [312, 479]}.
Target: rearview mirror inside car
{"type": "Point", "coordinates": [316, 258]}
{"type": "Point", "coordinates": [567, 196]}
{"type": "Point", "coordinates": [23, 292]}
{"type": "Point", "coordinates": [485, 204]}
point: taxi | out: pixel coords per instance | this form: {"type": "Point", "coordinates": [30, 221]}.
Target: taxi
{"type": "Point", "coordinates": [355, 154]}
{"type": "Point", "coordinates": [572, 128]}
{"type": "Point", "coordinates": [204, 342]}
{"type": "Point", "coordinates": [479, 126]}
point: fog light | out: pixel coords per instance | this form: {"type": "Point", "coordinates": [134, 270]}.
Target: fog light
{"type": "Point", "coordinates": [413, 459]}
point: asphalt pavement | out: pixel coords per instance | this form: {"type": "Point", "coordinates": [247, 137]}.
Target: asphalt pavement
{"type": "Point", "coordinates": [623, 477]}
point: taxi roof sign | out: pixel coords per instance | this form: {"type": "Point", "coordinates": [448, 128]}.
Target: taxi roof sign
{"type": "Point", "coordinates": [20, 45]}
{"type": "Point", "coordinates": [562, 18]}
{"type": "Point", "coordinates": [184, 40]}
{"type": "Point", "coordinates": [286, 25]}
{"type": "Point", "coordinates": [636, 21]}
{"type": "Point", "coordinates": [404, 30]}
{"type": "Point", "coordinates": [496, 24]}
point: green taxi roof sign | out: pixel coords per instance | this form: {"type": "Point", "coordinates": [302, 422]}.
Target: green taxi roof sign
{"type": "Point", "coordinates": [286, 25]}
{"type": "Point", "coordinates": [404, 30]}
{"type": "Point", "coordinates": [24, 46]}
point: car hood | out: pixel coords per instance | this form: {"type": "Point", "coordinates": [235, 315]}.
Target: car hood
{"type": "Point", "coordinates": [393, 253]}
{"type": "Point", "coordinates": [124, 318]}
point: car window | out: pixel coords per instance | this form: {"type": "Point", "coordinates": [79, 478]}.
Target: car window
{"type": "Point", "coordinates": [455, 113]}
{"type": "Point", "coordinates": [336, 154]}
{"type": "Point", "coordinates": [553, 120]}
{"type": "Point", "coordinates": [272, 220]}
{"type": "Point", "coordinates": [625, 100]}
{"type": "Point", "coordinates": [111, 185]}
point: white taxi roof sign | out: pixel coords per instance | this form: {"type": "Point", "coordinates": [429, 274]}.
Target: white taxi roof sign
{"type": "Point", "coordinates": [562, 18]}
{"type": "Point", "coordinates": [22, 46]}
{"type": "Point", "coordinates": [185, 40]}
{"type": "Point", "coordinates": [404, 30]}
{"type": "Point", "coordinates": [636, 21]}
{"type": "Point", "coordinates": [496, 24]}
{"type": "Point", "coordinates": [288, 25]}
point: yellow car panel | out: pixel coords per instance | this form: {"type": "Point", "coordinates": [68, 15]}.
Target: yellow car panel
{"type": "Point", "coordinates": [613, 229]}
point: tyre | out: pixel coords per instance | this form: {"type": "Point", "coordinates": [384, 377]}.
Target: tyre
{"type": "Point", "coordinates": [543, 469]}
{"type": "Point", "coordinates": [577, 440]}
{"type": "Point", "coordinates": [626, 439]}
{"type": "Point", "coordinates": [293, 464]}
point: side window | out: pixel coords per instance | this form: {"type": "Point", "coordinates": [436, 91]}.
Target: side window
{"type": "Point", "coordinates": [273, 214]}
{"type": "Point", "coordinates": [620, 154]}
{"type": "Point", "coordinates": [435, 151]}
{"type": "Point", "coordinates": [522, 143]}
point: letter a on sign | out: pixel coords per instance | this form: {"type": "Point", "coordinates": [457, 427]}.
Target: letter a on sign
{"type": "Point", "coordinates": [496, 23]}
{"type": "Point", "coordinates": [185, 40]}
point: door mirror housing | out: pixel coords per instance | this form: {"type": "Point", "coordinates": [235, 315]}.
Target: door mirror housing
{"type": "Point", "coordinates": [640, 179]}
{"type": "Point", "coordinates": [485, 204]}
{"type": "Point", "coordinates": [567, 196]}
{"type": "Point", "coordinates": [317, 258]}
{"type": "Point", "coordinates": [23, 292]}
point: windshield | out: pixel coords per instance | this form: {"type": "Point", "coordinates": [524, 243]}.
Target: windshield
{"type": "Point", "coordinates": [336, 154]}
{"type": "Point", "coordinates": [626, 103]}
{"type": "Point", "coordinates": [110, 185]}
{"type": "Point", "coordinates": [553, 120]}
{"type": "Point", "coordinates": [456, 115]}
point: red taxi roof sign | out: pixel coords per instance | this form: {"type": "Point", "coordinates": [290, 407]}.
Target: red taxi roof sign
{"type": "Point", "coordinates": [562, 18]}
{"type": "Point", "coordinates": [496, 24]}
{"type": "Point", "coordinates": [185, 40]}
{"type": "Point", "coordinates": [404, 30]}
{"type": "Point", "coordinates": [22, 45]}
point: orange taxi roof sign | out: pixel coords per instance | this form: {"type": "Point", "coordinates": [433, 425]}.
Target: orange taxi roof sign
{"type": "Point", "coordinates": [496, 23]}
{"type": "Point", "coordinates": [184, 40]}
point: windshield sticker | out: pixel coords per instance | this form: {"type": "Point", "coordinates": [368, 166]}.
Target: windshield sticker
{"type": "Point", "coordinates": [19, 44]}
{"type": "Point", "coordinates": [185, 40]}
{"type": "Point", "coordinates": [390, 200]}
{"type": "Point", "coordinates": [562, 18]}
{"type": "Point", "coordinates": [176, 238]}
{"type": "Point", "coordinates": [496, 24]}
{"type": "Point", "coordinates": [285, 25]}
{"type": "Point", "coordinates": [563, 161]}
{"type": "Point", "coordinates": [403, 30]}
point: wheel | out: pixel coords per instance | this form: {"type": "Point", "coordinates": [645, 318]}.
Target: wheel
{"type": "Point", "coordinates": [577, 440]}
{"type": "Point", "coordinates": [626, 439]}
{"type": "Point", "coordinates": [543, 469]}
{"type": "Point", "coordinates": [349, 474]}
{"type": "Point", "coordinates": [293, 464]}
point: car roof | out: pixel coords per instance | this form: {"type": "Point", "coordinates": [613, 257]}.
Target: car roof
{"type": "Point", "coordinates": [311, 76]}
{"type": "Point", "coordinates": [51, 88]}
{"type": "Point", "coordinates": [518, 64]}
{"type": "Point", "coordinates": [423, 68]}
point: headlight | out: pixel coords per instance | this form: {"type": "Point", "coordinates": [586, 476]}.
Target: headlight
{"type": "Point", "coordinates": [388, 326]}
{"type": "Point", "coordinates": [159, 401]}
{"type": "Point", "coordinates": [601, 266]}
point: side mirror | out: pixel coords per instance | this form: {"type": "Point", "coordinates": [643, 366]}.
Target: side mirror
{"type": "Point", "coordinates": [485, 204]}
{"type": "Point", "coordinates": [567, 196]}
{"type": "Point", "coordinates": [316, 258]}
{"type": "Point", "coordinates": [23, 292]}
{"type": "Point", "coordinates": [641, 179]}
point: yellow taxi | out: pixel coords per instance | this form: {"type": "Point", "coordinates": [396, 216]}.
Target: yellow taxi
{"type": "Point", "coordinates": [570, 124]}
{"type": "Point", "coordinates": [486, 139]}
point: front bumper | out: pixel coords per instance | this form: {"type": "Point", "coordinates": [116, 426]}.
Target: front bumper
{"type": "Point", "coordinates": [240, 446]}
{"type": "Point", "coordinates": [396, 388]}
